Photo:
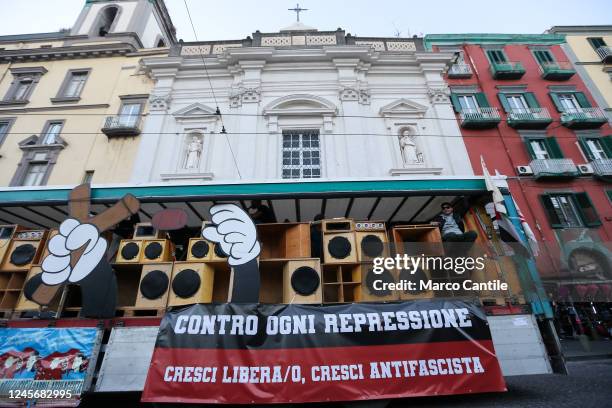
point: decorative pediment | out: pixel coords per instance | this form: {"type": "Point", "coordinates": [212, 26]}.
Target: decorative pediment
{"type": "Point", "coordinates": [300, 105]}
{"type": "Point", "coordinates": [32, 142]}
{"type": "Point", "coordinates": [196, 111]}
{"type": "Point", "coordinates": [404, 107]}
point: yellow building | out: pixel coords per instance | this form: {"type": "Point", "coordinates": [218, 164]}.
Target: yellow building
{"type": "Point", "coordinates": [590, 50]}
{"type": "Point", "coordinates": [72, 102]}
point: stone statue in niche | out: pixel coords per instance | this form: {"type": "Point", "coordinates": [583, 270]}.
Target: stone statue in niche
{"type": "Point", "coordinates": [193, 154]}
{"type": "Point", "coordinates": [410, 153]}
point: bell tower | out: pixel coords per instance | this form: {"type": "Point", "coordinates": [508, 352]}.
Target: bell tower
{"type": "Point", "coordinates": [144, 23]}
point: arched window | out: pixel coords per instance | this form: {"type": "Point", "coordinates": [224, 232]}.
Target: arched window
{"type": "Point", "coordinates": [161, 43]}
{"type": "Point", "coordinates": [107, 17]}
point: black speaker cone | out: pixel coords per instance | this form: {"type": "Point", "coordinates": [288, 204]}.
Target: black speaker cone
{"type": "Point", "coordinates": [418, 277]}
{"type": "Point", "coordinates": [219, 251]}
{"type": "Point", "coordinates": [186, 283]}
{"type": "Point", "coordinates": [339, 247]}
{"type": "Point", "coordinates": [23, 254]}
{"type": "Point", "coordinates": [154, 284]}
{"type": "Point", "coordinates": [153, 250]}
{"type": "Point", "coordinates": [384, 277]}
{"type": "Point", "coordinates": [305, 280]}
{"type": "Point", "coordinates": [31, 285]}
{"type": "Point", "coordinates": [130, 251]}
{"type": "Point", "coordinates": [200, 249]}
{"type": "Point", "coordinates": [372, 246]}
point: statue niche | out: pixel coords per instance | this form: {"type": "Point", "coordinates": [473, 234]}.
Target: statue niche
{"type": "Point", "coordinates": [193, 152]}
{"type": "Point", "coordinates": [410, 152]}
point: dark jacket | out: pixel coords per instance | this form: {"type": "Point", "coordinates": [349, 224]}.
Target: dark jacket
{"type": "Point", "coordinates": [441, 221]}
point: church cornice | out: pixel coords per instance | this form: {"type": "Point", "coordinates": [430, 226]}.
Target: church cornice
{"type": "Point", "coordinates": [70, 52]}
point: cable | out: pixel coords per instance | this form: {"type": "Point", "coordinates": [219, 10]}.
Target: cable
{"type": "Point", "coordinates": [212, 90]}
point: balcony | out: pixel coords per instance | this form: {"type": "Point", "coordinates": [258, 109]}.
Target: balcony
{"type": "Point", "coordinates": [553, 168]}
{"type": "Point", "coordinates": [507, 70]}
{"type": "Point", "coordinates": [458, 71]}
{"type": "Point", "coordinates": [605, 54]}
{"type": "Point", "coordinates": [583, 118]}
{"type": "Point", "coordinates": [602, 168]}
{"type": "Point", "coordinates": [556, 71]}
{"type": "Point", "coordinates": [125, 125]}
{"type": "Point", "coordinates": [529, 118]}
{"type": "Point", "coordinates": [481, 118]}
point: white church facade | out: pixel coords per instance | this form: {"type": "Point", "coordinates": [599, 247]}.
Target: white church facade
{"type": "Point", "coordinates": [299, 104]}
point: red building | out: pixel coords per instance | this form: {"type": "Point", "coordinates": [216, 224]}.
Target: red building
{"type": "Point", "coordinates": [522, 107]}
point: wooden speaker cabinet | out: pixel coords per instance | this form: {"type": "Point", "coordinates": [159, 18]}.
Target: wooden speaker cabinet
{"type": "Point", "coordinates": [302, 281]}
{"type": "Point", "coordinates": [6, 236]}
{"type": "Point", "coordinates": [417, 240]}
{"type": "Point", "coordinates": [156, 250]}
{"type": "Point", "coordinates": [339, 244]}
{"type": "Point", "coordinates": [154, 285]}
{"type": "Point", "coordinates": [24, 304]}
{"type": "Point", "coordinates": [284, 240]}
{"type": "Point", "coordinates": [192, 282]}
{"type": "Point", "coordinates": [372, 240]}
{"type": "Point", "coordinates": [129, 251]}
{"type": "Point", "coordinates": [24, 250]}
{"type": "Point", "coordinates": [372, 289]}
{"type": "Point", "coordinates": [202, 250]}
{"type": "Point", "coordinates": [420, 275]}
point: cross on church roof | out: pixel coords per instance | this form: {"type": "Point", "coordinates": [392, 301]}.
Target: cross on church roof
{"type": "Point", "coordinates": [297, 10]}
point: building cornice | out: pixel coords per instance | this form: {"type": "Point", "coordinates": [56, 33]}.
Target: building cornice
{"type": "Point", "coordinates": [450, 39]}
{"type": "Point", "coordinates": [581, 29]}
{"type": "Point", "coordinates": [70, 52]}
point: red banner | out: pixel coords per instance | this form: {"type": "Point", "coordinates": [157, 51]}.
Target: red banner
{"type": "Point", "coordinates": [206, 355]}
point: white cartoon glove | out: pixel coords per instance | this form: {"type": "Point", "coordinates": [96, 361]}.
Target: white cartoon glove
{"type": "Point", "coordinates": [72, 236]}
{"type": "Point", "coordinates": [235, 232]}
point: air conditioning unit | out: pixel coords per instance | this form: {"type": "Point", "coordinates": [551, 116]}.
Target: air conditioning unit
{"type": "Point", "coordinates": [585, 169]}
{"type": "Point", "coordinates": [524, 170]}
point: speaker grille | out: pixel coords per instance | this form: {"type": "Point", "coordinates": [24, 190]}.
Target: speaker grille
{"type": "Point", "coordinates": [130, 251]}
{"type": "Point", "coordinates": [153, 250]}
{"type": "Point", "coordinates": [339, 247]}
{"type": "Point", "coordinates": [154, 284]}
{"type": "Point", "coordinates": [305, 280]}
{"type": "Point", "coordinates": [31, 285]}
{"type": "Point", "coordinates": [219, 251]}
{"type": "Point", "coordinates": [23, 254]}
{"type": "Point", "coordinates": [385, 277]}
{"type": "Point", "coordinates": [200, 249]}
{"type": "Point", "coordinates": [186, 283]}
{"type": "Point", "coordinates": [372, 246]}
{"type": "Point", "coordinates": [418, 277]}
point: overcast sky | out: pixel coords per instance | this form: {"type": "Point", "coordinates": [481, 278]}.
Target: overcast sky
{"type": "Point", "coordinates": [235, 19]}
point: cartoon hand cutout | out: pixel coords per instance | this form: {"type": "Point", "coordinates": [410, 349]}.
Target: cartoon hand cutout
{"type": "Point", "coordinates": [234, 230]}
{"type": "Point", "coordinates": [72, 236]}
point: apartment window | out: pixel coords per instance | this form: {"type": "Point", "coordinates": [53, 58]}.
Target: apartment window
{"type": "Point", "coordinates": [517, 103]}
{"type": "Point", "coordinates": [51, 133]}
{"type": "Point", "coordinates": [596, 148]}
{"type": "Point", "coordinates": [596, 42]}
{"type": "Point", "coordinates": [469, 102]}
{"type": "Point", "coordinates": [129, 114]}
{"type": "Point", "coordinates": [5, 125]}
{"type": "Point", "coordinates": [543, 148]}
{"type": "Point", "coordinates": [301, 154]}
{"type": "Point", "coordinates": [34, 174]}
{"type": "Point", "coordinates": [73, 85]}
{"type": "Point", "coordinates": [543, 57]}
{"type": "Point", "coordinates": [24, 81]}
{"type": "Point", "coordinates": [497, 56]}
{"type": "Point", "coordinates": [570, 210]}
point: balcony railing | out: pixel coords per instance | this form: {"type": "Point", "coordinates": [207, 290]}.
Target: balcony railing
{"type": "Point", "coordinates": [480, 118]}
{"type": "Point", "coordinates": [529, 118]}
{"type": "Point", "coordinates": [583, 118]}
{"type": "Point", "coordinates": [557, 71]}
{"type": "Point", "coordinates": [602, 167]}
{"type": "Point", "coordinates": [554, 168]}
{"type": "Point", "coordinates": [122, 125]}
{"type": "Point", "coordinates": [460, 71]}
{"type": "Point", "coordinates": [605, 54]}
{"type": "Point", "coordinates": [507, 70]}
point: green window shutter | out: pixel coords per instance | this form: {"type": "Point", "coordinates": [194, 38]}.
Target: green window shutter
{"type": "Point", "coordinates": [596, 42]}
{"type": "Point", "coordinates": [606, 142]}
{"type": "Point", "coordinates": [585, 148]}
{"type": "Point", "coordinates": [527, 142]}
{"type": "Point", "coordinates": [553, 148]}
{"type": "Point", "coordinates": [555, 98]}
{"type": "Point", "coordinates": [582, 100]}
{"type": "Point", "coordinates": [455, 102]}
{"type": "Point", "coordinates": [531, 100]}
{"type": "Point", "coordinates": [504, 101]}
{"type": "Point", "coordinates": [549, 208]}
{"type": "Point", "coordinates": [538, 56]}
{"type": "Point", "coordinates": [481, 100]}
{"type": "Point", "coordinates": [587, 210]}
